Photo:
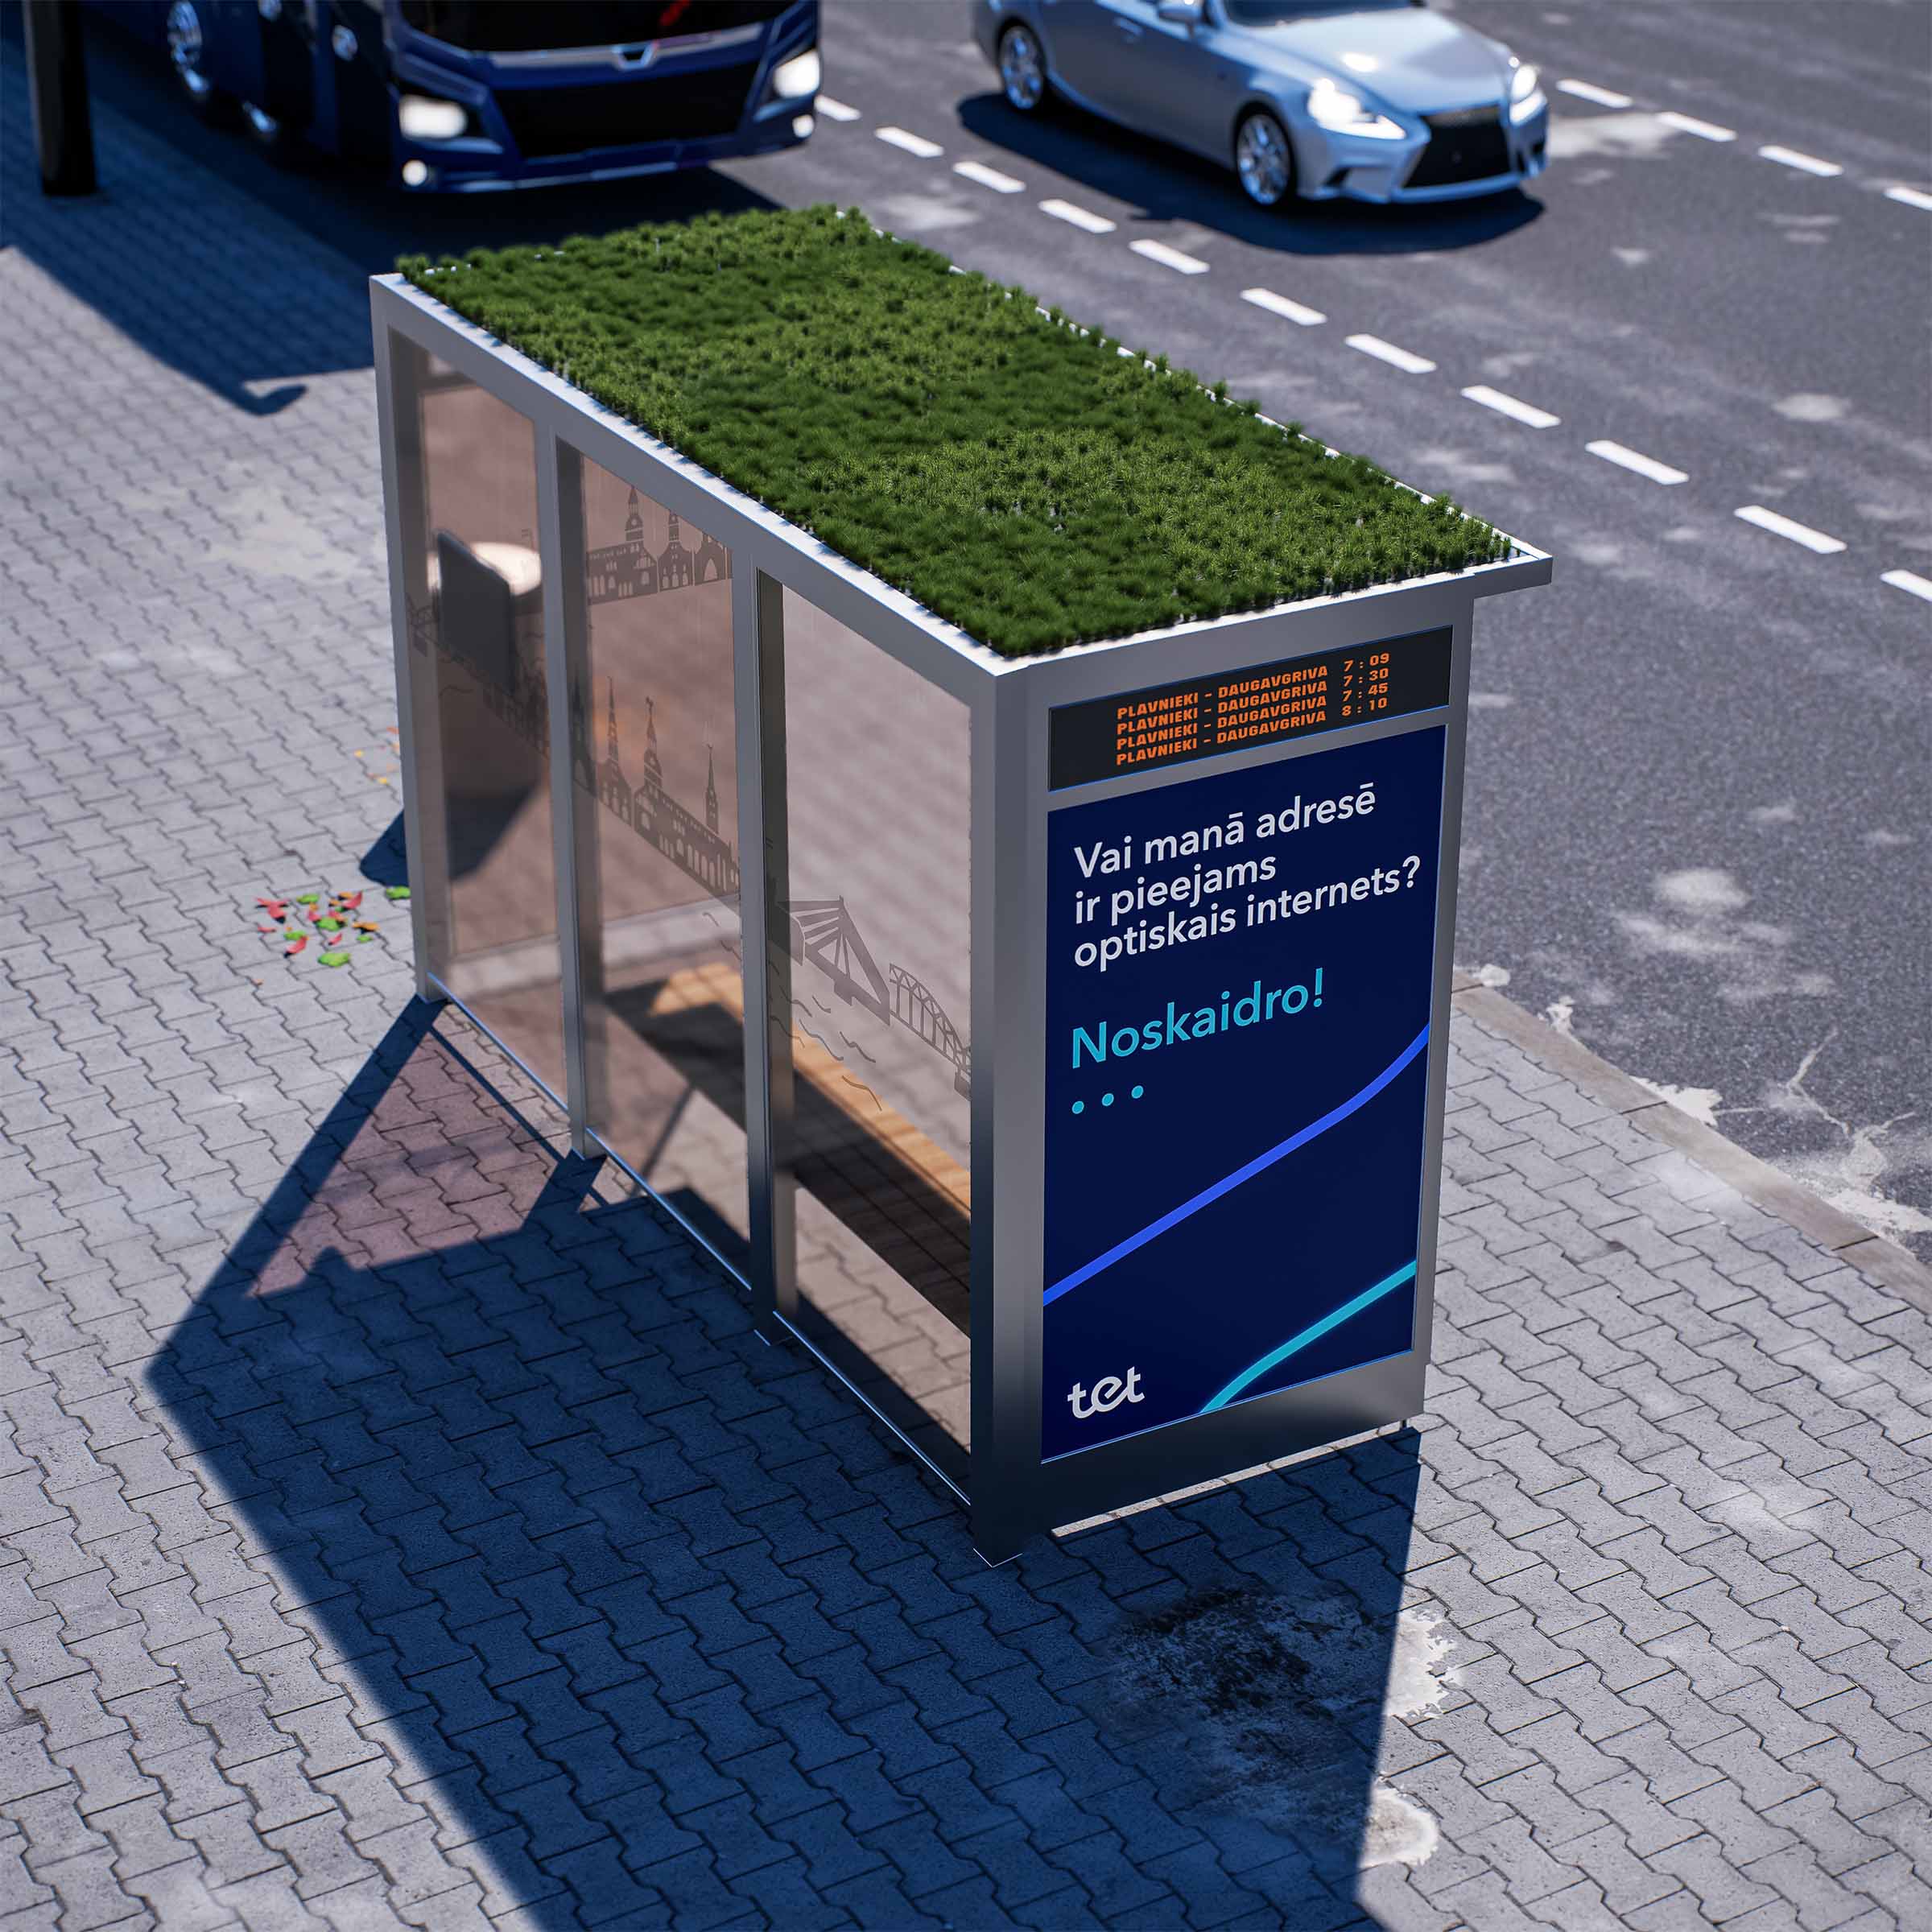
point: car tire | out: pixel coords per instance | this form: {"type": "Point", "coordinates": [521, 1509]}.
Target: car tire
{"type": "Point", "coordinates": [1023, 69]}
{"type": "Point", "coordinates": [185, 35]}
{"type": "Point", "coordinates": [1264, 159]}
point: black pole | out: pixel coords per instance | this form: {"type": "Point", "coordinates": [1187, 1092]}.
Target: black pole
{"type": "Point", "coordinates": [57, 79]}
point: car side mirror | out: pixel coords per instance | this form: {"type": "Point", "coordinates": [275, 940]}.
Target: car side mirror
{"type": "Point", "coordinates": [1182, 13]}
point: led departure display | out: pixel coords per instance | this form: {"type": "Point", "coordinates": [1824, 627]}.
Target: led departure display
{"type": "Point", "coordinates": [1170, 723]}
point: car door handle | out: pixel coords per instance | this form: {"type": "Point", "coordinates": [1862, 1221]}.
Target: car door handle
{"type": "Point", "coordinates": [1127, 29]}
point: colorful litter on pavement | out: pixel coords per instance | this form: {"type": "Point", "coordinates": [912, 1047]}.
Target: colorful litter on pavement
{"type": "Point", "coordinates": [334, 919]}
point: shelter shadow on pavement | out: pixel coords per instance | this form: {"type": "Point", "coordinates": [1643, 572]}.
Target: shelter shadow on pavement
{"type": "Point", "coordinates": [386, 861]}
{"type": "Point", "coordinates": [1168, 184]}
{"type": "Point", "coordinates": [658, 1627]}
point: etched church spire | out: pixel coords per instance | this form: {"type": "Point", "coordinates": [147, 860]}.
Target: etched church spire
{"type": "Point", "coordinates": [581, 762]}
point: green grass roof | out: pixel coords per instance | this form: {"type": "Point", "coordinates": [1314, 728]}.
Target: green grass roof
{"type": "Point", "coordinates": [1011, 471]}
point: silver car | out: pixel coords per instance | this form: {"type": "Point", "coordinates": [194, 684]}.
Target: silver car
{"type": "Point", "coordinates": [1376, 99]}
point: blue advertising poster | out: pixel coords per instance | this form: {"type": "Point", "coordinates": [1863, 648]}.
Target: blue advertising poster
{"type": "Point", "coordinates": [1238, 1008]}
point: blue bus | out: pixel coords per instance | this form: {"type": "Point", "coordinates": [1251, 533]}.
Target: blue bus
{"type": "Point", "coordinates": [455, 95]}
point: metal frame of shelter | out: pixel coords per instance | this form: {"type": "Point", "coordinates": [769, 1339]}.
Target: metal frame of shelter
{"type": "Point", "coordinates": [1012, 1494]}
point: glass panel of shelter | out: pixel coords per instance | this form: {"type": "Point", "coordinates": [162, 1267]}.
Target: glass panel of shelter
{"type": "Point", "coordinates": [869, 821]}
{"type": "Point", "coordinates": [649, 667]}
{"type": "Point", "coordinates": [475, 611]}
{"type": "Point", "coordinates": [874, 914]}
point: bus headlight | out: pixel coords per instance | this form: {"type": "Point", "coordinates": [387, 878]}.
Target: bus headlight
{"type": "Point", "coordinates": [797, 76]}
{"type": "Point", "coordinates": [423, 118]}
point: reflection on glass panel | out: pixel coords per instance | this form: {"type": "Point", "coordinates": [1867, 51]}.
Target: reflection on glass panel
{"type": "Point", "coordinates": [476, 633]}
{"type": "Point", "coordinates": [878, 803]}
{"type": "Point", "coordinates": [654, 754]}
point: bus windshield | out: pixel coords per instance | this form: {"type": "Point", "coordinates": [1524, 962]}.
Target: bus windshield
{"type": "Point", "coordinates": [488, 26]}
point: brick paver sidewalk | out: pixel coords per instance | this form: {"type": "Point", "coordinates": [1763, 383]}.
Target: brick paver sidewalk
{"type": "Point", "coordinates": [402, 1526]}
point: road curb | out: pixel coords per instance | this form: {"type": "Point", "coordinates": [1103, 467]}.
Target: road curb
{"type": "Point", "coordinates": [1884, 1262]}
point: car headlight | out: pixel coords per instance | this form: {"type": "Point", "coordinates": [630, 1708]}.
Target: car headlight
{"type": "Point", "coordinates": [1525, 97]}
{"type": "Point", "coordinates": [799, 75]}
{"type": "Point", "coordinates": [422, 117]}
{"type": "Point", "coordinates": [1343, 113]}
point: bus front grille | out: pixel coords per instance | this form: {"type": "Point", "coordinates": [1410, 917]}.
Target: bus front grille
{"type": "Point", "coordinates": [546, 120]}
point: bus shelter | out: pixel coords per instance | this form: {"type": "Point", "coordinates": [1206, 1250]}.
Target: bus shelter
{"type": "Point", "coordinates": [1053, 1045]}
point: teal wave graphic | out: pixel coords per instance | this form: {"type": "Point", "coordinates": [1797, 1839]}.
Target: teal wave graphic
{"type": "Point", "coordinates": [1275, 1357]}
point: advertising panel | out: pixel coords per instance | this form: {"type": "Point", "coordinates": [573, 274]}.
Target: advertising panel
{"type": "Point", "coordinates": [1239, 985]}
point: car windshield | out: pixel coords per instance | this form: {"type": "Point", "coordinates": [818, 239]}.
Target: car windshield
{"type": "Point", "coordinates": [1273, 13]}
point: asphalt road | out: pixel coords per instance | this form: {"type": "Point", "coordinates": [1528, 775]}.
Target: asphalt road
{"type": "Point", "coordinates": [1697, 829]}
{"type": "Point", "coordinates": [1698, 826]}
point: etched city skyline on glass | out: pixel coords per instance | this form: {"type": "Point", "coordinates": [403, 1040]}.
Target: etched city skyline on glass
{"type": "Point", "coordinates": [654, 765]}
{"type": "Point", "coordinates": [476, 633]}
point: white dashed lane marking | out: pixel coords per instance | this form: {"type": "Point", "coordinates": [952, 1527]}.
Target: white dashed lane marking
{"type": "Point", "coordinates": [1806, 164]}
{"type": "Point", "coordinates": [1280, 305]}
{"type": "Point", "coordinates": [1710, 130]}
{"type": "Point", "coordinates": [913, 144]}
{"type": "Point", "coordinates": [1782, 527]}
{"type": "Point", "coordinates": [1396, 358]}
{"type": "Point", "coordinates": [1633, 460]}
{"type": "Point", "coordinates": [1080, 217]}
{"type": "Point", "coordinates": [1689, 124]}
{"type": "Point", "coordinates": [987, 177]}
{"type": "Point", "coordinates": [1170, 257]}
{"type": "Point", "coordinates": [1602, 96]}
{"type": "Point", "coordinates": [1406, 360]}
{"type": "Point", "coordinates": [837, 110]}
{"type": "Point", "coordinates": [1508, 406]}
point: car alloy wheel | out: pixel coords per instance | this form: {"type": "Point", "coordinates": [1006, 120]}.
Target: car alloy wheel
{"type": "Point", "coordinates": [1264, 160]}
{"type": "Point", "coordinates": [270, 133]}
{"type": "Point", "coordinates": [184, 48]}
{"type": "Point", "coordinates": [1022, 68]}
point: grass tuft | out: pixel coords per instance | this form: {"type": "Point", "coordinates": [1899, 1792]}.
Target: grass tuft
{"type": "Point", "coordinates": [939, 432]}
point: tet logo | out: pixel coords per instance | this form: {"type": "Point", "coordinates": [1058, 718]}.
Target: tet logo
{"type": "Point", "coordinates": [1109, 1392]}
